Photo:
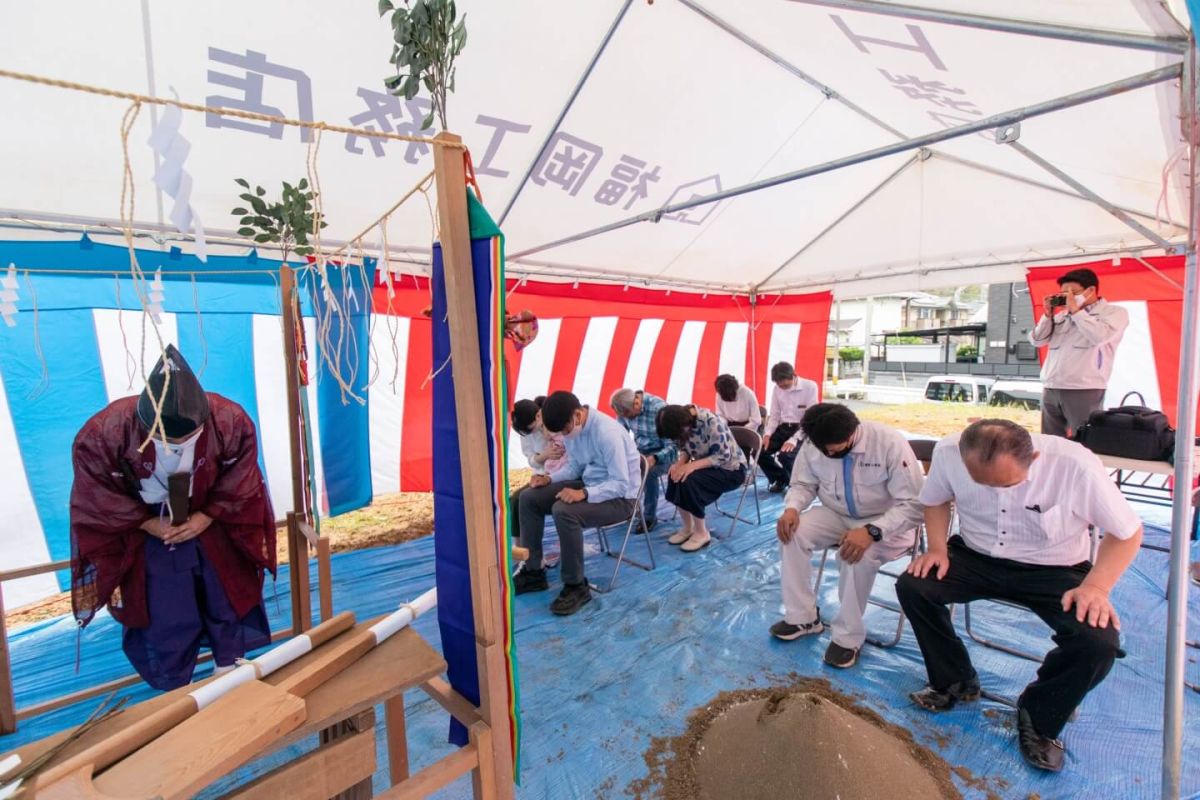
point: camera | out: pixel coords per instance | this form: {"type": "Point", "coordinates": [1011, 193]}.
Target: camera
{"type": "Point", "coordinates": [1057, 300]}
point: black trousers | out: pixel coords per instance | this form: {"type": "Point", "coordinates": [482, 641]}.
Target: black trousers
{"type": "Point", "coordinates": [775, 464]}
{"type": "Point", "coordinates": [702, 487]}
{"type": "Point", "coordinates": [1078, 664]}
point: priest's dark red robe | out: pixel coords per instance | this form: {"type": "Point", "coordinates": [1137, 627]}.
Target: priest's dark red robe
{"type": "Point", "coordinates": [108, 565]}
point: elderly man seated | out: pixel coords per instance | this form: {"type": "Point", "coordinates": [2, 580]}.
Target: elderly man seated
{"type": "Point", "coordinates": [597, 485]}
{"type": "Point", "coordinates": [1024, 504]}
{"type": "Point", "coordinates": [868, 480]}
{"type": "Point", "coordinates": [710, 463]}
{"type": "Point", "coordinates": [637, 412]}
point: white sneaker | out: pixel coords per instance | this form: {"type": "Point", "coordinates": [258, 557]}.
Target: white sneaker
{"type": "Point", "coordinates": [680, 536]}
{"type": "Point", "coordinates": [697, 541]}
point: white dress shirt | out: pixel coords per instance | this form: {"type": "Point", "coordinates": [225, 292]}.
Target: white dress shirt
{"type": "Point", "coordinates": [1082, 346]}
{"type": "Point", "coordinates": [789, 405]}
{"type": "Point", "coordinates": [604, 457]}
{"type": "Point", "coordinates": [744, 408]}
{"type": "Point", "coordinates": [1042, 520]}
{"type": "Point", "coordinates": [886, 479]}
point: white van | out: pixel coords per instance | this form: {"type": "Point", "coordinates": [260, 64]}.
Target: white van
{"type": "Point", "coordinates": [984, 391]}
{"type": "Point", "coordinates": [958, 389]}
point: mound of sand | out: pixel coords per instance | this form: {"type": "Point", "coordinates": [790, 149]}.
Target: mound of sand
{"type": "Point", "coordinates": [804, 740]}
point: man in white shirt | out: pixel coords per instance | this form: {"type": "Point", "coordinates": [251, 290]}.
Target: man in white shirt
{"type": "Point", "coordinates": [736, 404]}
{"type": "Point", "coordinates": [791, 398]}
{"type": "Point", "coordinates": [1024, 505]}
{"type": "Point", "coordinates": [597, 485]}
{"type": "Point", "coordinates": [868, 481]}
{"type": "Point", "coordinates": [1082, 331]}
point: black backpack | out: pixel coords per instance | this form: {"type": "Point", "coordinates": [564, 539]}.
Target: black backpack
{"type": "Point", "coordinates": [1129, 432]}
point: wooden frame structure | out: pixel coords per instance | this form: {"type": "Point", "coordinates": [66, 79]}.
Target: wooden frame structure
{"type": "Point", "coordinates": [301, 536]}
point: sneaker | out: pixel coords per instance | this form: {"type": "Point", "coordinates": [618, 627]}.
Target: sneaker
{"type": "Point", "coordinates": [572, 598]}
{"type": "Point", "coordinates": [787, 631]}
{"type": "Point", "coordinates": [776, 487]}
{"type": "Point", "coordinates": [932, 699]}
{"type": "Point", "coordinates": [530, 580]}
{"type": "Point", "coordinates": [696, 541]}
{"type": "Point", "coordinates": [841, 657]}
{"type": "Point", "coordinates": [1040, 752]}
{"type": "Point", "coordinates": [679, 537]}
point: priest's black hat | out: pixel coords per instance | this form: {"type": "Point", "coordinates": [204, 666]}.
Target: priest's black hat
{"type": "Point", "coordinates": [185, 406]}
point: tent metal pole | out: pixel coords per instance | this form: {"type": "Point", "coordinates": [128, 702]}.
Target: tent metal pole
{"type": "Point", "coordinates": [1012, 176]}
{"type": "Point", "coordinates": [1044, 30]}
{"type": "Point", "coordinates": [833, 94]}
{"type": "Point", "coordinates": [1129, 221]}
{"type": "Point", "coordinates": [788, 66]}
{"type": "Point", "coordinates": [842, 218]}
{"type": "Point", "coordinates": [1185, 436]}
{"type": "Point", "coordinates": [583, 79]}
{"type": "Point", "coordinates": [995, 121]}
{"type": "Point", "coordinates": [826, 283]}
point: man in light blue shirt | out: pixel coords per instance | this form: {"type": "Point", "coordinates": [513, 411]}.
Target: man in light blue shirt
{"type": "Point", "coordinates": [597, 485]}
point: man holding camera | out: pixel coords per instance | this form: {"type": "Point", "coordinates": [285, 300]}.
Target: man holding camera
{"type": "Point", "coordinates": [1082, 331]}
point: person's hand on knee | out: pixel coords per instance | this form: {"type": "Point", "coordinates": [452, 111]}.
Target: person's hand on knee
{"type": "Point", "coordinates": [787, 525]}
{"type": "Point", "coordinates": [1092, 605]}
{"type": "Point", "coordinates": [926, 563]}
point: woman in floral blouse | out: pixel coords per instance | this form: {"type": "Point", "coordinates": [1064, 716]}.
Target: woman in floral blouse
{"type": "Point", "coordinates": [710, 464]}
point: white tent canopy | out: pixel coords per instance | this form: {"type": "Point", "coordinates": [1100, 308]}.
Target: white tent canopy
{"type": "Point", "coordinates": [685, 98]}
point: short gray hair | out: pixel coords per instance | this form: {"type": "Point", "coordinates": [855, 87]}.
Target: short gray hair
{"type": "Point", "coordinates": [622, 401]}
{"type": "Point", "coordinates": [985, 439]}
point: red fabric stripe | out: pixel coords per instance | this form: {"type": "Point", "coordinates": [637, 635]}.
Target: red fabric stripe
{"type": "Point", "coordinates": [566, 353]}
{"type": "Point", "coordinates": [658, 376]}
{"type": "Point", "coordinates": [1166, 327]}
{"type": "Point", "coordinates": [708, 364]}
{"type": "Point", "coordinates": [512, 361]}
{"type": "Point", "coordinates": [618, 360]}
{"type": "Point", "coordinates": [416, 441]}
{"type": "Point", "coordinates": [810, 354]}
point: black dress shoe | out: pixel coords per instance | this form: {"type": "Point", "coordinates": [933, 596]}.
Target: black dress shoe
{"type": "Point", "coordinates": [1040, 752]}
{"type": "Point", "coordinates": [932, 699]}
{"type": "Point", "coordinates": [841, 657]}
{"type": "Point", "coordinates": [777, 487]}
{"type": "Point", "coordinates": [572, 598]}
{"type": "Point", "coordinates": [530, 580]}
{"type": "Point", "coordinates": [645, 526]}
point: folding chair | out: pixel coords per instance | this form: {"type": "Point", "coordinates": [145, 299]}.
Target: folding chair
{"type": "Point", "coordinates": [923, 449]}
{"type": "Point", "coordinates": [750, 443]}
{"type": "Point", "coordinates": [635, 516]}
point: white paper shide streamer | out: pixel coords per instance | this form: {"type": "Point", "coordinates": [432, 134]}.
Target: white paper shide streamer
{"type": "Point", "coordinates": [172, 149]}
{"type": "Point", "coordinates": [154, 302]}
{"type": "Point", "coordinates": [8, 296]}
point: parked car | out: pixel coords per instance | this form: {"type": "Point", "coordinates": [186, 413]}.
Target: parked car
{"type": "Point", "coordinates": [1023, 394]}
{"type": "Point", "coordinates": [957, 389]}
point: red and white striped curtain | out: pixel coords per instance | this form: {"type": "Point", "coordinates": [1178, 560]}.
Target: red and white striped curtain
{"type": "Point", "coordinates": [592, 339]}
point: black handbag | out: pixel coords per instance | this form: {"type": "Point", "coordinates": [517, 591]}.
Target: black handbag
{"type": "Point", "coordinates": [1129, 431]}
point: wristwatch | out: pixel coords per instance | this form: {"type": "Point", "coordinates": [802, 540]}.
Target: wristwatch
{"type": "Point", "coordinates": [874, 531]}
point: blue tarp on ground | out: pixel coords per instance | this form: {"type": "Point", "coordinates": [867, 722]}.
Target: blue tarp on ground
{"type": "Point", "coordinates": [597, 686]}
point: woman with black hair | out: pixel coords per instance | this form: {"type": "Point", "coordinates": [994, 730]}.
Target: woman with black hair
{"type": "Point", "coordinates": [710, 463]}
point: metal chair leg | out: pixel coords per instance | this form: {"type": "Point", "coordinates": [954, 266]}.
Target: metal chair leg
{"type": "Point", "coordinates": [620, 556]}
{"type": "Point", "coordinates": [993, 644]}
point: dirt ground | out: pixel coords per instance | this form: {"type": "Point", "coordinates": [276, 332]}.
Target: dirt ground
{"type": "Point", "coordinates": [392, 519]}
{"type": "Point", "coordinates": [803, 739]}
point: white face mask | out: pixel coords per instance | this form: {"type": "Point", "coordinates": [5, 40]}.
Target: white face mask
{"type": "Point", "coordinates": [575, 430]}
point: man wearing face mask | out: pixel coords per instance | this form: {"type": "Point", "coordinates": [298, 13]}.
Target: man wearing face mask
{"type": "Point", "coordinates": [597, 485]}
{"type": "Point", "coordinates": [1025, 503]}
{"type": "Point", "coordinates": [171, 525]}
{"type": "Point", "coordinates": [868, 481]}
{"type": "Point", "coordinates": [1081, 331]}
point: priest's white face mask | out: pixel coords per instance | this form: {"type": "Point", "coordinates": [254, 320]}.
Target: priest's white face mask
{"type": "Point", "coordinates": [183, 440]}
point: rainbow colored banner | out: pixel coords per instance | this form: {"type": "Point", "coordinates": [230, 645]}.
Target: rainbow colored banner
{"type": "Point", "coordinates": [455, 612]}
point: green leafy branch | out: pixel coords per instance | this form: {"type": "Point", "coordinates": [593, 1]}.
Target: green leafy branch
{"type": "Point", "coordinates": [428, 36]}
{"type": "Point", "coordinates": [288, 222]}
